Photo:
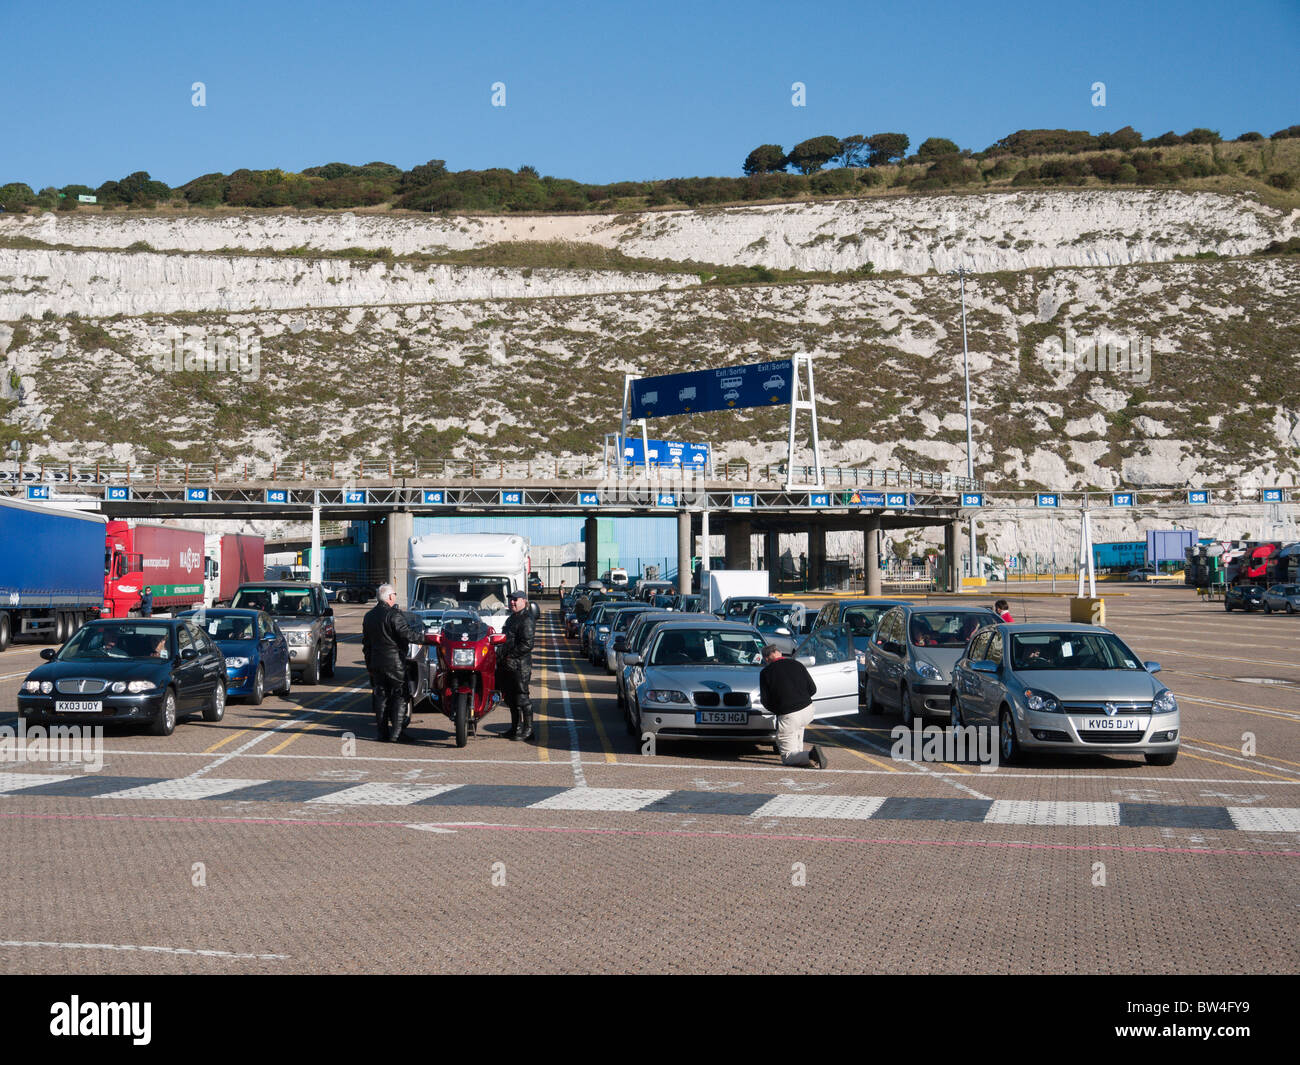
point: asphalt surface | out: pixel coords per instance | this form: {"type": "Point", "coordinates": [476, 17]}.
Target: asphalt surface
{"type": "Point", "coordinates": [288, 839]}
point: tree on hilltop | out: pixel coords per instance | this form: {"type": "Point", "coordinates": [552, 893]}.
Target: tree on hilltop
{"type": "Point", "coordinates": [814, 153]}
{"type": "Point", "coordinates": [886, 147]}
{"type": "Point", "coordinates": [765, 159]}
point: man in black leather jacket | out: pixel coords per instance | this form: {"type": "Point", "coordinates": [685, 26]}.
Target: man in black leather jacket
{"type": "Point", "coordinates": [517, 652]}
{"type": "Point", "coordinates": [384, 636]}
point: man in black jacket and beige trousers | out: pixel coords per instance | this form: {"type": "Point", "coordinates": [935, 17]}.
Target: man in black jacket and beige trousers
{"type": "Point", "coordinates": [787, 690]}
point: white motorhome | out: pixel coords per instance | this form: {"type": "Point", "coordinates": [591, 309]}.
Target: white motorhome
{"type": "Point", "coordinates": [477, 570]}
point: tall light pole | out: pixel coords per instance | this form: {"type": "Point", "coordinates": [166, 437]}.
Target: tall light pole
{"type": "Point", "coordinates": [961, 273]}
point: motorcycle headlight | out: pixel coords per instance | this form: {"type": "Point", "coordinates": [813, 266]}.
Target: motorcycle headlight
{"type": "Point", "coordinates": [1042, 702]}
{"type": "Point", "coordinates": [32, 686]}
{"type": "Point", "coordinates": [237, 662]}
{"type": "Point", "coordinates": [462, 656]}
{"type": "Point", "coordinates": [1165, 703]}
{"type": "Point", "coordinates": [47, 687]}
{"type": "Point", "coordinates": [927, 671]}
{"type": "Point", "coordinates": [665, 695]}
{"type": "Point", "coordinates": [135, 687]}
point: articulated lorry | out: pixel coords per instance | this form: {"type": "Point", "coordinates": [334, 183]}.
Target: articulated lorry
{"type": "Point", "coordinates": [167, 561]}
{"type": "Point", "coordinates": [51, 570]}
{"type": "Point", "coordinates": [231, 559]}
{"type": "Point", "coordinates": [476, 570]}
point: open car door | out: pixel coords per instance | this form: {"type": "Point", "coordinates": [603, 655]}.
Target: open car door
{"type": "Point", "coordinates": [834, 669]}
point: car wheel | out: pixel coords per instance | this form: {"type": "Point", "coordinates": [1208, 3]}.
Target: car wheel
{"type": "Point", "coordinates": [216, 709]}
{"type": "Point", "coordinates": [5, 633]}
{"type": "Point", "coordinates": [1268, 608]}
{"type": "Point", "coordinates": [1162, 759]}
{"type": "Point", "coordinates": [1227, 606]}
{"type": "Point", "coordinates": [1008, 743]}
{"type": "Point", "coordinates": [868, 707]}
{"type": "Point", "coordinates": [311, 675]}
{"type": "Point", "coordinates": [954, 713]}
{"type": "Point", "coordinates": [288, 680]}
{"type": "Point", "coordinates": [165, 723]}
{"type": "Point", "coordinates": [1290, 609]}
{"type": "Point", "coordinates": [259, 688]}
{"type": "Point", "coordinates": [905, 704]}
{"type": "Point", "coordinates": [327, 670]}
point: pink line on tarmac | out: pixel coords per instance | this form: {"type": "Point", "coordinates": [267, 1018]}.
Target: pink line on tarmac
{"type": "Point", "coordinates": [299, 822]}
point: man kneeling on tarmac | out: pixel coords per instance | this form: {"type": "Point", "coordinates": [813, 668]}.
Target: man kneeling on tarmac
{"type": "Point", "coordinates": [787, 689]}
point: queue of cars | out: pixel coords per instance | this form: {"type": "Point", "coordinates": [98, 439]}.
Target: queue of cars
{"type": "Point", "coordinates": [155, 671]}
{"type": "Point", "coordinates": [1281, 597]}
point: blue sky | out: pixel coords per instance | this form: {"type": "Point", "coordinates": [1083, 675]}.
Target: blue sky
{"type": "Point", "coordinates": [604, 92]}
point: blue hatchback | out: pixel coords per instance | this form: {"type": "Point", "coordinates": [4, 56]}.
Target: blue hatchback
{"type": "Point", "coordinates": [257, 653]}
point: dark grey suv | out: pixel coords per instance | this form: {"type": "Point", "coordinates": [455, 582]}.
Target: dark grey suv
{"type": "Point", "coordinates": [305, 618]}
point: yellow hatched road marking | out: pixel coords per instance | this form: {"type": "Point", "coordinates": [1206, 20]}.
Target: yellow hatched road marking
{"type": "Point", "coordinates": [853, 750]}
{"type": "Point", "coordinates": [312, 724]}
{"type": "Point", "coordinates": [272, 724]}
{"type": "Point", "coordinates": [1232, 765]}
{"type": "Point", "coordinates": [1225, 747]}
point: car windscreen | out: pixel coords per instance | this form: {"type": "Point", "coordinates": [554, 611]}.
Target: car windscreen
{"type": "Point", "coordinates": [773, 618]}
{"type": "Point", "coordinates": [106, 643]}
{"type": "Point", "coordinates": [280, 602]}
{"type": "Point", "coordinates": [624, 618]}
{"type": "Point", "coordinates": [1070, 650]}
{"type": "Point", "coordinates": [706, 647]}
{"type": "Point", "coordinates": [944, 628]}
{"type": "Point", "coordinates": [230, 627]}
{"type": "Point", "coordinates": [862, 621]}
{"type": "Point", "coordinates": [485, 595]}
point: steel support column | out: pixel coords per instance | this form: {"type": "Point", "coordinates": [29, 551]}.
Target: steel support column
{"type": "Point", "coordinates": [871, 555]}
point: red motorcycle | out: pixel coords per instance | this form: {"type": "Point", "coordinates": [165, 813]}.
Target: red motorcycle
{"type": "Point", "coordinates": [464, 684]}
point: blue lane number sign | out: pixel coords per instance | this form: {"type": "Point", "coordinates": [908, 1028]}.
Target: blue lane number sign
{"type": "Point", "coordinates": [198, 495]}
{"type": "Point", "coordinates": [354, 497]}
{"type": "Point", "coordinates": [38, 491]}
{"type": "Point", "coordinates": [819, 499]}
{"type": "Point", "coordinates": [1121, 499]}
{"type": "Point", "coordinates": [1046, 499]}
{"type": "Point", "coordinates": [739, 499]}
{"type": "Point", "coordinates": [666, 499]}
{"type": "Point", "coordinates": [972, 499]}
{"type": "Point", "coordinates": [117, 492]}
{"type": "Point", "coordinates": [1271, 495]}
{"type": "Point", "coordinates": [434, 498]}
{"type": "Point", "coordinates": [898, 500]}
{"type": "Point", "coordinates": [1199, 497]}
{"type": "Point", "coordinates": [588, 499]}
{"type": "Point", "coordinates": [277, 495]}
{"type": "Point", "coordinates": [512, 499]}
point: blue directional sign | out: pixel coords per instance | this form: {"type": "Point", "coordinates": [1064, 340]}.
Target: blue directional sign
{"type": "Point", "coordinates": [198, 495]}
{"type": "Point", "coordinates": [742, 499]}
{"type": "Point", "coordinates": [972, 499]}
{"type": "Point", "coordinates": [117, 493]}
{"type": "Point", "coordinates": [1271, 495]}
{"type": "Point", "coordinates": [665, 499]}
{"type": "Point", "coordinates": [512, 499]}
{"type": "Point", "coordinates": [38, 491]}
{"type": "Point", "coordinates": [355, 497]}
{"type": "Point", "coordinates": [1048, 499]}
{"type": "Point", "coordinates": [762, 384]}
{"type": "Point", "coordinates": [664, 453]}
{"type": "Point", "coordinates": [864, 499]}
{"type": "Point", "coordinates": [819, 499]}
{"type": "Point", "coordinates": [433, 497]}
{"type": "Point", "coordinates": [1198, 496]}
{"type": "Point", "coordinates": [277, 495]}
{"type": "Point", "coordinates": [899, 500]}
{"type": "Point", "coordinates": [1123, 499]}
{"type": "Point", "coordinates": [588, 499]}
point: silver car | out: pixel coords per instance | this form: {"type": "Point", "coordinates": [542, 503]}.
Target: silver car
{"type": "Point", "coordinates": [1282, 597]}
{"type": "Point", "coordinates": [1077, 689]}
{"type": "Point", "coordinates": [699, 680]}
{"type": "Point", "coordinates": [304, 617]}
{"type": "Point", "coordinates": [910, 658]}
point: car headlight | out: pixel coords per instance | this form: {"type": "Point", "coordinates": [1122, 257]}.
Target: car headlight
{"type": "Point", "coordinates": [602, 628]}
{"type": "Point", "coordinates": [47, 687]}
{"type": "Point", "coordinates": [1165, 703]}
{"type": "Point", "coordinates": [298, 637]}
{"type": "Point", "coordinates": [1042, 702]}
{"type": "Point", "coordinates": [665, 695]}
{"type": "Point", "coordinates": [237, 662]}
{"type": "Point", "coordinates": [32, 686]}
{"type": "Point", "coordinates": [137, 686]}
{"type": "Point", "coordinates": [462, 656]}
{"type": "Point", "coordinates": [119, 686]}
{"type": "Point", "coordinates": [927, 671]}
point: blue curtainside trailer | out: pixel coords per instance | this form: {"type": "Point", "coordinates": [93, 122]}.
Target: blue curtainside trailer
{"type": "Point", "coordinates": [51, 570]}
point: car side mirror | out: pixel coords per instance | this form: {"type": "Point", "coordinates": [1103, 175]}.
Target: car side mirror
{"type": "Point", "coordinates": [1152, 667]}
{"type": "Point", "coordinates": [620, 642]}
{"type": "Point", "coordinates": [808, 660]}
{"type": "Point", "coordinates": [329, 611]}
{"type": "Point", "coordinates": [782, 631]}
{"type": "Point", "coordinates": [49, 654]}
{"type": "Point", "coordinates": [632, 659]}
{"type": "Point", "coordinates": [984, 666]}
{"type": "Point", "coordinates": [189, 654]}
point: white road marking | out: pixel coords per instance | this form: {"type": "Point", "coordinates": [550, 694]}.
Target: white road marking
{"type": "Point", "coordinates": [1264, 819]}
{"type": "Point", "coordinates": [612, 799]}
{"type": "Point", "coordinates": [401, 793]}
{"type": "Point", "coordinates": [845, 807]}
{"type": "Point", "coordinates": [146, 950]}
{"type": "Point", "coordinates": [575, 753]}
{"type": "Point", "coordinates": [184, 788]}
{"type": "Point", "coordinates": [1052, 813]}
{"type": "Point", "coordinates": [887, 752]}
{"type": "Point", "coordinates": [18, 781]}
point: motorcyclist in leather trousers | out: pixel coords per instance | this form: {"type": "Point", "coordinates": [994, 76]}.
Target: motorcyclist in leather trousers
{"type": "Point", "coordinates": [517, 655]}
